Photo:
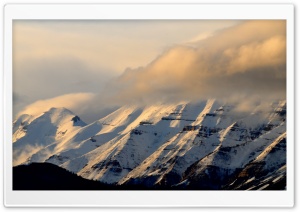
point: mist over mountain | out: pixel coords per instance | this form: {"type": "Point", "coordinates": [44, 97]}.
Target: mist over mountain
{"type": "Point", "coordinates": [243, 65]}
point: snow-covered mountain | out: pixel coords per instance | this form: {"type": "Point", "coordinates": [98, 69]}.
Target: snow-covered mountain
{"type": "Point", "coordinates": [203, 145]}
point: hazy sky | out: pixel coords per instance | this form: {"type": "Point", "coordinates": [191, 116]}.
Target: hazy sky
{"type": "Point", "coordinates": [80, 64]}
{"type": "Point", "coordinates": [54, 58]}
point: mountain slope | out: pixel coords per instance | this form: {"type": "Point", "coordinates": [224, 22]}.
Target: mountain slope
{"type": "Point", "coordinates": [187, 145]}
{"type": "Point", "coordinates": [41, 131]}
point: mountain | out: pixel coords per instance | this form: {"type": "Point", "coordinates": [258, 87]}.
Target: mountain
{"type": "Point", "coordinates": [187, 145]}
{"type": "Point", "coordinates": [33, 135]}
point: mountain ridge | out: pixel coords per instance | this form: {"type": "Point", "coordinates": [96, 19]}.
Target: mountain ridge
{"type": "Point", "coordinates": [157, 145]}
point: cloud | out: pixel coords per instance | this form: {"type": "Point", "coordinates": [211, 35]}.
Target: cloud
{"type": "Point", "coordinates": [54, 58]}
{"type": "Point", "coordinates": [268, 53]}
{"type": "Point", "coordinates": [19, 102]}
{"type": "Point", "coordinates": [48, 78]}
{"type": "Point", "coordinates": [76, 102]}
{"type": "Point", "coordinates": [244, 64]}
{"type": "Point", "coordinates": [199, 37]}
{"type": "Point", "coordinates": [238, 63]}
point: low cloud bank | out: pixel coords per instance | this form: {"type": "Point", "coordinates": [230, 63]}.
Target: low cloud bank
{"type": "Point", "coordinates": [241, 63]}
{"type": "Point", "coordinates": [244, 63]}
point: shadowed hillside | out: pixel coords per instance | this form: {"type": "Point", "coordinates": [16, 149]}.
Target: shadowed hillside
{"type": "Point", "coordinates": [46, 176]}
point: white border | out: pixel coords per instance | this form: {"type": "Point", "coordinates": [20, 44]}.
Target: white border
{"type": "Point", "coordinates": [147, 198]}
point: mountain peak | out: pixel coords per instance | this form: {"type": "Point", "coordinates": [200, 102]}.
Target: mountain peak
{"type": "Point", "coordinates": [62, 115]}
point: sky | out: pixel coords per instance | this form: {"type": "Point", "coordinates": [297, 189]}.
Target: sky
{"type": "Point", "coordinates": [93, 66]}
